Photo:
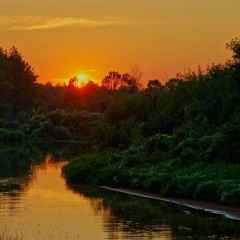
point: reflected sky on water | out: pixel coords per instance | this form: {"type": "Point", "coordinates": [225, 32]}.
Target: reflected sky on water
{"type": "Point", "coordinates": [42, 206]}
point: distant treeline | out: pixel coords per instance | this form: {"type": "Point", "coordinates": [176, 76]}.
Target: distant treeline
{"type": "Point", "coordinates": [119, 111]}
{"type": "Point", "coordinates": [34, 111]}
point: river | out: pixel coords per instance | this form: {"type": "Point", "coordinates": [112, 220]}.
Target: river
{"type": "Point", "coordinates": [41, 206]}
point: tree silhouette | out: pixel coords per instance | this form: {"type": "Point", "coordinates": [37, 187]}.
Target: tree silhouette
{"type": "Point", "coordinates": [112, 81]}
{"type": "Point", "coordinates": [116, 81]}
{"type": "Point", "coordinates": [17, 80]}
{"type": "Point", "coordinates": [154, 84]}
{"type": "Point", "coordinates": [234, 46]}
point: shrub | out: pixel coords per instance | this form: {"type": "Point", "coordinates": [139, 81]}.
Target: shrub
{"type": "Point", "coordinates": [231, 197]}
{"type": "Point", "coordinates": [11, 135]}
{"type": "Point", "coordinates": [207, 191]}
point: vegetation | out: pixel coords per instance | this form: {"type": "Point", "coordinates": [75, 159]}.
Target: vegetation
{"type": "Point", "coordinates": [179, 139]}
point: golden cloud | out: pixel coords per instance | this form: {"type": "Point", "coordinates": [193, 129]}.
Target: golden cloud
{"type": "Point", "coordinates": [32, 23]}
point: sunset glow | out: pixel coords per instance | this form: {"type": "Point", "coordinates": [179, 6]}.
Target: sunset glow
{"type": "Point", "coordinates": [115, 114]}
{"type": "Point", "coordinates": [161, 37]}
{"type": "Point", "coordinates": [83, 78]}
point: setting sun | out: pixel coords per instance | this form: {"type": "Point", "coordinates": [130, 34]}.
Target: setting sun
{"type": "Point", "coordinates": [83, 78]}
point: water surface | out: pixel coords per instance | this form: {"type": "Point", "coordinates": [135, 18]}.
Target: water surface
{"type": "Point", "coordinates": [42, 206]}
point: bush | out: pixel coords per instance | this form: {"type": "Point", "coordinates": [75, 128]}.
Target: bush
{"type": "Point", "coordinates": [11, 136]}
{"type": "Point", "coordinates": [207, 191]}
{"type": "Point", "coordinates": [161, 142]}
{"type": "Point", "coordinates": [188, 156]}
{"type": "Point", "coordinates": [231, 197]}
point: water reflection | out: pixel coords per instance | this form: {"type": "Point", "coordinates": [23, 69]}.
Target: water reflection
{"type": "Point", "coordinates": [134, 218]}
{"type": "Point", "coordinates": [45, 207]}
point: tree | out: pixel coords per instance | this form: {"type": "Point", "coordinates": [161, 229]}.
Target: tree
{"type": "Point", "coordinates": [154, 84]}
{"type": "Point", "coordinates": [234, 46]}
{"type": "Point", "coordinates": [17, 79]}
{"type": "Point", "coordinates": [112, 81]}
{"type": "Point", "coordinates": [130, 83]}
{"type": "Point", "coordinates": [153, 92]}
{"type": "Point", "coordinates": [116, 81]}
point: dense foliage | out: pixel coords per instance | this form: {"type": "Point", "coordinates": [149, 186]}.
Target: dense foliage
{"type": "Point", "coordinates": [183, 138]}
{"type": "Point", "coordinates": [179, 139]}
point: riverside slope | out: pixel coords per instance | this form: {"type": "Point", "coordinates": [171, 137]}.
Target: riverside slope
{"type": "Point", "coordinates": [230, 213]}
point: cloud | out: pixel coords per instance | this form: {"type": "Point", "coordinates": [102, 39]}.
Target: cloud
{"type": "Point", "coordinates": [32, 23]}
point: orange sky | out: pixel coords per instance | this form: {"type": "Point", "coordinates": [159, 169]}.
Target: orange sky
{"type": "Point", "coordinates": [62, 38]}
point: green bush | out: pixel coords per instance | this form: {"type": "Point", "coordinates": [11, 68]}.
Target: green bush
{"type": "Point", "coordinates": [207, 191]}
{"type": "Point", "coordinates": [11, 136]}
{"type": "Point", "coordinates": [231, 197]}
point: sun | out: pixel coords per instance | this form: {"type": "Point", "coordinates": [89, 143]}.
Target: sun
{"type": "Point", "coordinates": [83, 78]}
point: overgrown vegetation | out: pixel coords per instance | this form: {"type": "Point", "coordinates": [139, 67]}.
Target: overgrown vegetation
{"type": "Point", "coordinates": [183, 138]}
{"type": "Point", "coordinates": [178, 139]}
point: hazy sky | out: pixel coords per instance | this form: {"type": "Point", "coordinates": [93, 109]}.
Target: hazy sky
{"type": "Point", "coordinates": [61, 38]}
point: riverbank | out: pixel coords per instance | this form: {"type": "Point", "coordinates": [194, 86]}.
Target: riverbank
{"type": "Point", "coordinates": [136, 169]}
{"type": "Point", "coordinates": [228, 212]}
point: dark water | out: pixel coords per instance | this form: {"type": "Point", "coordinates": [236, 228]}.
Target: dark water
{"type": "Point", "coordinates": [36, 203]}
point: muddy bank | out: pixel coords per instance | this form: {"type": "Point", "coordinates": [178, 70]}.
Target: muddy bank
{"type": "Point", "coordinates": [211, 208]}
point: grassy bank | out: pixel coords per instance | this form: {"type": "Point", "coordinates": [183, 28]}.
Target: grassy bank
{"type": "Point", "coordinates": [159, 167]}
